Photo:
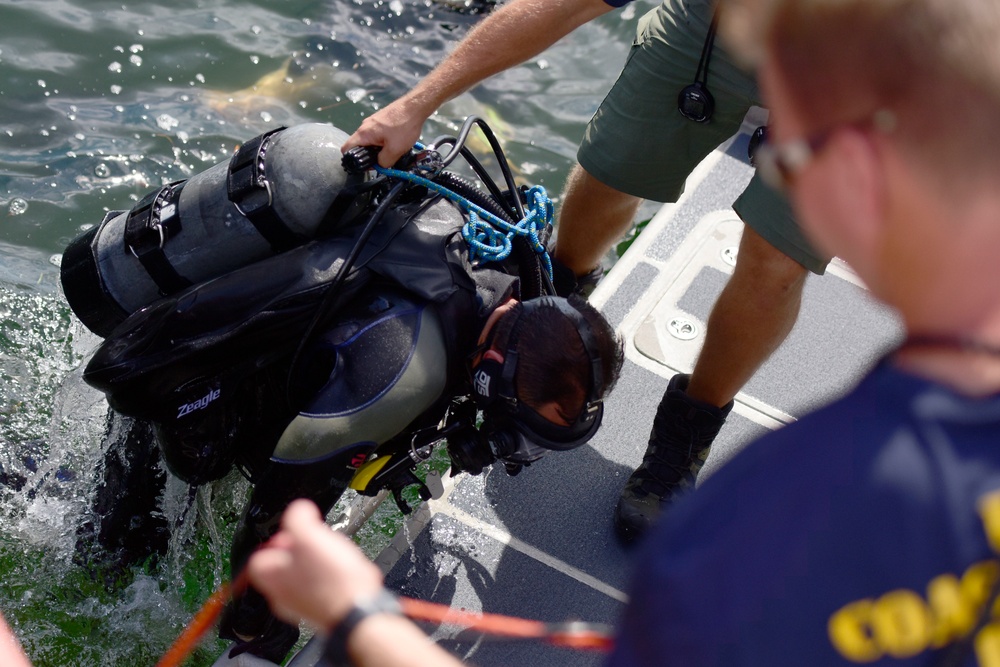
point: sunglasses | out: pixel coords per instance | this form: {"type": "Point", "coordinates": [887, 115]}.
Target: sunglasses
{"type": "Point", "coordinates": [779, 163]}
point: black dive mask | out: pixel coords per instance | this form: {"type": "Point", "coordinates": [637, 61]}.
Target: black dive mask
{"type": "Point", "coordinates": [516, 433]}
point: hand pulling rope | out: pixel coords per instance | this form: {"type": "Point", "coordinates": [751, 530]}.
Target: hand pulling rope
{"type": "Point", "coordinates": [488, 236]}
{"type": "Point", "coordinates": [574, 634]}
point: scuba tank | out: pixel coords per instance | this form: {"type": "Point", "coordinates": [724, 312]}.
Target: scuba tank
{"type": "Point", "coordinates": [278, 191]}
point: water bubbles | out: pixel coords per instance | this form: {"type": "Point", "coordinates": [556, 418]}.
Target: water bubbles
{"type": "Point", "coordinates": [17, 206]}
{"type": "Point", "coordinates": [265, 116]}
{"type": "Point", "coordinates": [55, 260]}
{"type": "Point", "coordinates": [255, 29]}
{"type": "Point", "coordinates": [166, 122]}
{"type": "Point", "coordinates": [41, 83]}
{"type": "Point", "coordinates": [102, 170]}
{"type": "Point", "coordinates": [397, 7]}
{"type": "Point", "coordinates": [135, 60]}
{"type": "Point", "coordinates": [200, 78]}
{"type": "Point", "coordinates": [255, 60]}
{"type": "Point", "coordinates": [356, 94]}
{"type": "Point", "coordinates": [115, 67]}
{"type": "Point", "coordinates": [543, 63]}
{"type": "Point", "coordinates": [116, 90]}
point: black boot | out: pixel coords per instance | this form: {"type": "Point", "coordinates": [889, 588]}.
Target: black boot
{"type": "Point", "coordinates": [566, 282]}
{"type": "Point", "coordinates": [683, 430]}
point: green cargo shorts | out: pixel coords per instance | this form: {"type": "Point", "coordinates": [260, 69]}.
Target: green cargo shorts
{"type": "Point", "coordinates": [638, 143]}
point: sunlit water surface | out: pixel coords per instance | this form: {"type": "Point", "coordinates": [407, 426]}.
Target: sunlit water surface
{"type": "Point", "coordinates": [102, 101]}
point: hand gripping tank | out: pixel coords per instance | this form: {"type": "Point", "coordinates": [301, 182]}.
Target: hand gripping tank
{"type": "Point", "coordinates": [278, 191]}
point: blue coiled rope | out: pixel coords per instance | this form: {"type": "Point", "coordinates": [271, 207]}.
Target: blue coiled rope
{"type": "Point", "coordinates": [490, 238]}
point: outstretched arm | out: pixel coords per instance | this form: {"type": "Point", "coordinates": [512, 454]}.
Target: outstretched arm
{"type": "Point", "coordinates": [511, 35]}
{"type": "Point", "coordinates": [309, 571]}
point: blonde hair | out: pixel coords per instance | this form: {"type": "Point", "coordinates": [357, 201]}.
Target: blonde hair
{"type": "Point", "coordinates": [934, 64]}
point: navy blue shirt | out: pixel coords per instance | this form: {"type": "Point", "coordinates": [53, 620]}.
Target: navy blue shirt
{"type": "Point", "coordinates": [851, 536]}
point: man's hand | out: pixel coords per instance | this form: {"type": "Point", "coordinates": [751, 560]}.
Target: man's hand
{"type": "Point", "coordinates": [395, 128]}
{"type": "Point", "coordinates": [308, 571]}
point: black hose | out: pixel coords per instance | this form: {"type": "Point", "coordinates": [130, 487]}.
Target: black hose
{"type": "Point", "coordinates": [459, 149]}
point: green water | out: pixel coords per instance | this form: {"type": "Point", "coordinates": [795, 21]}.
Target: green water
{"type": "Point", "coordinates": [102, 101]}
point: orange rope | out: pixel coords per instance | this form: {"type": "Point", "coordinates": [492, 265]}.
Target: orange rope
{"type": "Point", "coordinates": [493, 624]}
{"type": "Point", "coordinates": [577, 635]}
{"type": "Point", "coordinates": [202, 622]}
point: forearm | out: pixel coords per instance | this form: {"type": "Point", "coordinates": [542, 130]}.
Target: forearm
{"type": "Point", "coordinates": [511, 35]}
{"type": "Point", "coordinates": [393, 641]}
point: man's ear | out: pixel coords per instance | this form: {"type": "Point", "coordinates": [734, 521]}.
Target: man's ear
{"type": "Point", "coordinates": [860, 191]}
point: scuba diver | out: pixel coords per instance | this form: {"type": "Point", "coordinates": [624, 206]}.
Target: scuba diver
{"type": "Point", "coordinates": [320, 324]}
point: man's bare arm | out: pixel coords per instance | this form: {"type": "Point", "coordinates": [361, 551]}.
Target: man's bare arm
{"type": "Point", "coordinates": [511, 35]}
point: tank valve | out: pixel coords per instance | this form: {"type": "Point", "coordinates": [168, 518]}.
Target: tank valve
{"type": "Point", "coordinates": [360, 158]}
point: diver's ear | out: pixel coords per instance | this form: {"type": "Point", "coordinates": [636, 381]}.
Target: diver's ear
{"type": "Point", "coordinates": [493, 355]}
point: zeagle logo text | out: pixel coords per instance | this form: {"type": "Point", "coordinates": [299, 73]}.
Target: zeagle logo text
{"type": "Point", "coordinates": [200, 404]}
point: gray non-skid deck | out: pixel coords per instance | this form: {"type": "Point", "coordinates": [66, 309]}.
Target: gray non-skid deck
{"type": "Point", "coordinates": [541, 545]}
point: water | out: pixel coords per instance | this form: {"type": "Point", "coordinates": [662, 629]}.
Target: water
{"type": "Point", "coordinates": [102, 101]}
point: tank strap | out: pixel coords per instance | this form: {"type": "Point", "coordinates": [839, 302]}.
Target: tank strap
{"type": "Point", "coordinates": [250, 191]}
{"type": "Point", "coordinates": [150, 223]}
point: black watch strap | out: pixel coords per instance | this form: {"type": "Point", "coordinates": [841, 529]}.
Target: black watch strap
{"type": "Point", "coordinates": [335, 652]}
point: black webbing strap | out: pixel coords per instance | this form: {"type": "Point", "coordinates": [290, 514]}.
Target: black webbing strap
{"type": "Point", "coordinates": [250, 191]}
{"type": "Point", "coordinates": [150, 224]}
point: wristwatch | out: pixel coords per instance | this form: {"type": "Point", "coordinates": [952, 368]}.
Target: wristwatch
{"type": "Point", "coordinates": [335, 652]}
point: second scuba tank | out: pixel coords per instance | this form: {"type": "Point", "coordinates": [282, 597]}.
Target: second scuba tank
{"type": "Point", "coordinates": [278, 191]}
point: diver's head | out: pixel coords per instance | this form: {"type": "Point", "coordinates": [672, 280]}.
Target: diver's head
{"type": "Point", "coordinates": [541, 374]}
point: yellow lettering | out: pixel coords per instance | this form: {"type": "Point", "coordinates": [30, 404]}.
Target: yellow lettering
{"type": "Point", "coordinates": [987, 645]}
{"type": "Point", "coordinates": [901, 622]}
{"type": "Point", "coordinates": [850, 632]}
{"type": "Point", "coordinates": [978, 582]}
{"type": "Point", "coordinates": [953, 615]}
{"type": "Point", "coordinates": [989, 511]}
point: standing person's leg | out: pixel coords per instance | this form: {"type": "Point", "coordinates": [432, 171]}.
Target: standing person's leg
{"type": "Point", "coordinates": [592, 217]}
{"type": "Point", "coordinates": [754, 313]}
{"type": "Point", "coordinates": [752, 316]}
{"type": "Point", "coordinates": [637, 143]}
